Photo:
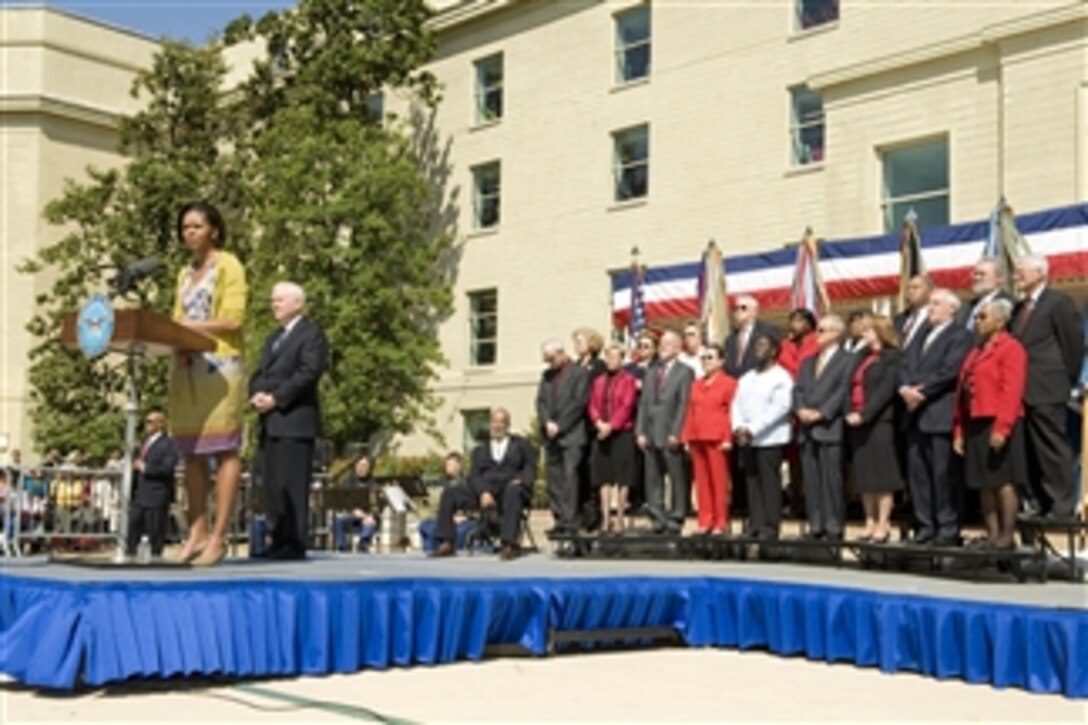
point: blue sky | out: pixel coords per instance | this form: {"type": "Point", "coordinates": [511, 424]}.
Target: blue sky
{"type": "Point", "coordinates": [195, 20]}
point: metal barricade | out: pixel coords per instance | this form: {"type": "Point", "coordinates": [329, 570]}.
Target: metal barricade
{"type": "Point", "coordinates": [63, 508]}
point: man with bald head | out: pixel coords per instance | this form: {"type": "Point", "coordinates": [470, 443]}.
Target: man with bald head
{"type": "Point", "coordinates": [283, 391]}
{"type": "Point", "coordinates": [913, 320]}
{"type": "Point", "coordinates": [927, 387]}
{"type": "Point", "coordinates": [660, 421]}
{"type": "Point", "coordinates": [500, 478]}
{"type": "Point", "coordinates": [561, 401]}
{"type": "Point", "coordinates": [740, 354]}
{"type": "Point", "coordinates": [819, 403]}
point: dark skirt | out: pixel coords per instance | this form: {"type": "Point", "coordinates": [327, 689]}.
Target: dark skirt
{"type": "Point", "coordinates": [613, 459]}
{"type": "Point", "coordinates": [986, 469]}
{"type": "Point", "coordinates": [876, 464]}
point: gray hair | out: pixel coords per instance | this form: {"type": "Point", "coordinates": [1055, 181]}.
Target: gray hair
{"type": "Point", "coordinates": [948, 296]}
{"type": "Point", "coordinates": [1000, 308]}
{"type": "Point", "coordinates": [1035, 261]}
{"type": "Point", "coordinates": [551, 345]}
{"type": "Point", "coordinates": [997, 263]}
{"type": "Point", "coordinates": [290, 289]}
{"type": "Point", "coordinates": [833, 321]}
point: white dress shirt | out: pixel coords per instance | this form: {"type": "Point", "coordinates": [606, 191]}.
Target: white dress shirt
{"type": "Point", "coordinates": [762, 405]}
{"type": "Point", "coordinates": [498, 448]}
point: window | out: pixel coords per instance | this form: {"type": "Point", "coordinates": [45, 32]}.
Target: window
{"type": "Point", "coordinates": [811, 13]}
{"type": "Point", "coordinates": [807, 126]}
{"type": "Point", "coordinates": [483, 327]}
{"type": "Point", "coordinates": [489, 89]}
{"type": "Point", "coordinates": [486, 180]}
{"type": "Point", "coordinates": [477, 424]}
{"type": "Point", "coordinates": [632, 162]}
{"type": "Point", "coordinates": [916, 177]}
{"type": "Point", "coordinates": [375, 107]}
{"type": "Point", "coordinates": [633, 44]}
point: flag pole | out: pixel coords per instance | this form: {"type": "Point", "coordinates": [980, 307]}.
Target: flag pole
{"type": "Point", "coordinates": [1084, 449]}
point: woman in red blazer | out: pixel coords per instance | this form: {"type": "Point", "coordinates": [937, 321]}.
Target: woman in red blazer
{"type": "Point", "coordinates": [709, 436]}
{"type": "Point", "coordinates": [988, 430]}
{"type": "Point", "coordinates": [612, 406]}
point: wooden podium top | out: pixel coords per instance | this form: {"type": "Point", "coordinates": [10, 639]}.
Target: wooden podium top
{"type": "Point", "coordinates": [145, 330]}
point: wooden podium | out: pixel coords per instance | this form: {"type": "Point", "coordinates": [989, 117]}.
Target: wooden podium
{"type": "Point", "coordinates": [144, 331]}
{"type": "Point", "coordinates": [136, 334]}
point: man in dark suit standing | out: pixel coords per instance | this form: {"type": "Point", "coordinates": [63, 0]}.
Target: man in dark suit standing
{"type": "Point", "coordinates": [740, 354]}
{"type": "Point", "coordinates": [500, 477]}
{"type": "Point", "coordinates": [819, 402]}
{"type": "Point", "coordinates": [283, 391]}
{"type": "Point", "coordinates": [154, 467]}
{"type": "Point", "coordinates": [927, 387]}
{"type": "Point", "coordinates": [661, 412]}
{"type": "Point", "coordinates": [913, 320]}
{"type": "Point", "coordinates": [561, 401]}
{"type": "Point", "coordinates": [987, 285]}
{"type": "Point", "coordinates": [1046, 323]}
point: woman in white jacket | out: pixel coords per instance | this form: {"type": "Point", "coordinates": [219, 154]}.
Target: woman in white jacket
{"type": "Point", "coordinates": [761, 421]}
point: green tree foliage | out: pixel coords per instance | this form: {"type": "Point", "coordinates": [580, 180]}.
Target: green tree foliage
{"type": "Point", "coordinates": [112, 218]}
{"type": "Point", "coordinates": [344, 205]}
{"type": "Point", "coordinates": [315, 189]}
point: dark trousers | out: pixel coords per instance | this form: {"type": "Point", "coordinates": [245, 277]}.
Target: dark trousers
{"type": "Point", "coordinates": [562, 463]}
{"type": "Point", "coordinates": [1050, 459]}
{"type": "Point", "coordinates": [934, 488]}
{"type": "Point", "coordinates": [511, 505]}
{"type": "Point", "coordinates": [150, 521]}
{"type": "Point", "coordinates": [286, 471]}
{"type": "Point", "coordinates": [763, 479]}
{"type": "Point", "coordinates": [821, 470]}
{"type": "Point", "coordinates": [673, 463]}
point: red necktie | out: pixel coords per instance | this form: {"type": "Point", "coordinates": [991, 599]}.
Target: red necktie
{"type": "Point", "coordinates": [143, 449]}
{"type": "Point", "coordinates": [1025, 313]}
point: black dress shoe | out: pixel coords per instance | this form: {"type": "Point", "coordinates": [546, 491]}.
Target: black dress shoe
{"type": "Point", "coordinates": [922, 539]}
{"type": "Point", "coordinates": [946, 541]}
{"type": "Point", "coordinates": [286, 554]}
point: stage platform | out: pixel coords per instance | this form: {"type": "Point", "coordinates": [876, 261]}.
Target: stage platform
{"type": "Point", "coordinates": [64, 626]}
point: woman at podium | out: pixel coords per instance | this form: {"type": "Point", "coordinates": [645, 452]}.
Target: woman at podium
{"type": "Point", "coordinates": [207, 390]}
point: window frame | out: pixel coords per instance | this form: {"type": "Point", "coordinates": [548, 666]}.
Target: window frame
{"type": "Point", "coordinates": [482, 113]}
{"type": "Point", "coordinates": [621, 47]}
{"type": "Point", "coordinates": [475, 342]}
{"type": "Point", "coordinates": [479, 198]}
{"type": "Point", "coordinates": [888, 202]}
{"type": "Point", "coordinates": [619, 167]}
{"type": "Point", "coordinates": [798, 126]}
{"type": "Point", "coordinates": [467, 439]}
{"type": "Point", "coordinates": [799, 16]}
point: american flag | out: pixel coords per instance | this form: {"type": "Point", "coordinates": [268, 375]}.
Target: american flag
{"type": "Point", "coordinates": [808, 291]}
{"type": "Point", "coordinates": [638, 305]}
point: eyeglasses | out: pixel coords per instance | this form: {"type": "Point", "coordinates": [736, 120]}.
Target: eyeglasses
{"type": "Point", "coordinates": [980, 316]}
{"type": "Point", "coordinates": [709, 357]}
{"type": "Point", "coordinates": [741, 307]}
{"type": "Point", "coordinates": [691, 333]}
{"type": "Point", "coordinates": [823, 329]}
{"type": "Point", "coordinates": [645, 346]}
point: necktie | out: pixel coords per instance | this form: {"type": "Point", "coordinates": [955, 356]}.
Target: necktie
{"type": "Point", "coordinates": [742, 347]}
{"type": "Point", "coordinates": [1025, 313]}
{"type": "Point", "coordinates": [821, 361]}
{"type": "Point", "coordinates": [280, 334]}
{"type": "Point", "coordinates": [908, 330]}
{"type": "Point", "coordinates": [929, 339]}
{"type": "Point", "coordinates": [144, 448]}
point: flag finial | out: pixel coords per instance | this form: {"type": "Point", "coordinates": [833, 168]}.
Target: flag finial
{"type": "Point", "coordinates": [711, 244]}
{"type": "Point", "coordinates": [911, 216]}
{"type": "Point", "coordinates": [808, 230]}
{"type": "Point", "coordinates": [634, 253]}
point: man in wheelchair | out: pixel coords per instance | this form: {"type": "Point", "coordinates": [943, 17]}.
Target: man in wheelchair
{"type": "Point", "coordinates": [500, 478]}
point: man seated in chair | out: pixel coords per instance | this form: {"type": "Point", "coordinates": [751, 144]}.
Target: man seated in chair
{"type": "Point", "coordinates": [500, 477]}
{"type": "Point", "coordinates": [360, 517]}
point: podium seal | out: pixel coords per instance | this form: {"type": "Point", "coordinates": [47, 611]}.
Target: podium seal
{"type": "Point", "coordinates": [94, 326]}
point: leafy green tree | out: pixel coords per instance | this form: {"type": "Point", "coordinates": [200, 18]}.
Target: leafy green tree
{"type": "Point", "coordinates": [343, 202]}
{"type": "Point", "coordinates": [115, 217]}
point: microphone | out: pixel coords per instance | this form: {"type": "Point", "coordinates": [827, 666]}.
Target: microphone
{"type": "Point", "coordinates": [127, 278]}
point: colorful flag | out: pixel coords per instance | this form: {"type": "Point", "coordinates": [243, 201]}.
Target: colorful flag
{"type": "Point", "coordinates": [1005, 242]}
{"type": "Point", "coordinates": [911, 263]}
{"type": "Point", "coordinates": [808, 291]}
{"type": "Point", "coordinates": [637, 321]}
{"type": "Point", "coordinates": [713, 312]}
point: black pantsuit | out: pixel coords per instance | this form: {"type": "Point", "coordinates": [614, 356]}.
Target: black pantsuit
{"type": "Point", "coordinates": [287, 467]}
{"type": "Point", "coordinates": [292, 361]}
{"type": "Point", "coordinates": [934, 485]}
{"type": "Point", "coordinates": [763, 479]}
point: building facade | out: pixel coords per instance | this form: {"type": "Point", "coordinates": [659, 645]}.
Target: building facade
{"type": "Point", "coordinates": [581, 129]}
{"type": "Point", "coordinates": [577, 130]}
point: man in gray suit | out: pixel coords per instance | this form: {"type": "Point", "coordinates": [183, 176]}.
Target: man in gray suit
{"type": "Point", "coordinates": [561, 410]}
{"type": "Point", "coordinates": [661, 411]}
{"type": "Point", "coordinates": [819, 402]}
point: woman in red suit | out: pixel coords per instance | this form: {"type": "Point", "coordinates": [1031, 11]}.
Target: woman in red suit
{"type": "Point", "coordinates": [709, 436]}
{"type": "Point", "coordinates": [988, 430]}
{"type": "Point", "coordinates": [612, 406]}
